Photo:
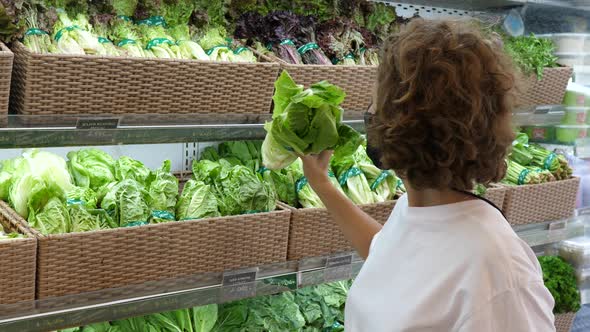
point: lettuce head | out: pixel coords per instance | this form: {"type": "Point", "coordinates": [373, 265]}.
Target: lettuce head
{"type": "Point", "coordinates": [91, 168]}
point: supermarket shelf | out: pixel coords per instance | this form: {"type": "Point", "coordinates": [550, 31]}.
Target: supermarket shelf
{"type": "Point", "coordinates": [53, 131]}
{"type": "Point", "coordinates": [482, 5]}
{"type": "Point", "coordinates": [121, 303]}
{"type": "Point", "coordinates": [24, 132]}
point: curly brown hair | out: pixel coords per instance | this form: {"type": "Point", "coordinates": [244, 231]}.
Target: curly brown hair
{"type": "Point", "coordinates": [443, 102]}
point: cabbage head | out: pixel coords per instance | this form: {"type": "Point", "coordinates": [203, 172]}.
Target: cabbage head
{"type": "Point", "coordinates": [129, 168]}
{"type": "Point", "coordinates": [197, 201]}
{"type": "Point", "coordinates": [303, 121]}
{"type": "Point", "coordinates": [91, 168]}
{"type": "Point", "coordinates": [126, 202]}
{"type": "Point", "coordinates": [163, 190]}
{"type": "Point", "coordinates": [52, 219]}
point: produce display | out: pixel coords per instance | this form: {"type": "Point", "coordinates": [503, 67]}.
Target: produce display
{"type": "Point", "coordinates": [312, 309]}
{"type": "Point", "coordinates": [560, 278]}
{"type": "Point", "coordinates": [533, 164]}
{"type": "Point", "coordinates": [531, 53]}
{"type": "Point", "coordinates": [299, 32]}
{"type": "Point", "coordinates": [93, 191]}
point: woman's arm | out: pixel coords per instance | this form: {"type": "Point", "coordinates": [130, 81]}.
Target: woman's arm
{"type": "Point", "coordinates": [358, 227]}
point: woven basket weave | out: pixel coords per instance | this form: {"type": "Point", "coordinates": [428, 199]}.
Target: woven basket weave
{"type": "Point", "coordinates": [83, 262]}
{"type": "Point", "coordinates": [564, 322]}
{"type": "Point", "coordinates": [49, 84]}
{"type": "Point", "coordinates": [549, 201]}
{"type": "Point", "coordinates": [6, 60]}
{"type": "Point", "coordinates": [496, 195]}
{"type": "Point", "coordinates": [547, 91]}
{"type": "Point", "coordinates": [18, 257]}
{"type": "Point", "coordinates": [314, 233]}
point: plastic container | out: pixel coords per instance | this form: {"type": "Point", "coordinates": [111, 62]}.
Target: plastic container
{"type": "Point", "coordinates": [568, 134]}
{"type": "Point", "coordinates": [571, 59]}
{"type": "Point", "coordinates": [575, 115]}
{"type": "Point", "coordinates": [576, 251]}
{"type": "Point", "coordinates": [576, 95]}
{"type": "Point", "coordinates": [569, 42]}
{"type": "Point", "coordinates": [540, 133]}
{"type": "Point", "coordinates": [582, 75]}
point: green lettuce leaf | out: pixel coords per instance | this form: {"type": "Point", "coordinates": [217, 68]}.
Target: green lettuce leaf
{"type": "Point", "coordinates": [163, 189]}
{"type": "Point", "coordinates": [91, 168]}
{"type": "Point", "coordinates": [129, 168]}
{"type": "Point", "coordinates": [52, 219]}
{"type": "Point", "coordinates": [196, 201]}
{"type": "Point", "coordinates": [126, 202]}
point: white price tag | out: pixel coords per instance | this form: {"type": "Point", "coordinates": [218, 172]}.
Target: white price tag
{"type": "Point", "coordinates": [338, 267]}
{"type": "Point", "coordinates": [238, 284]}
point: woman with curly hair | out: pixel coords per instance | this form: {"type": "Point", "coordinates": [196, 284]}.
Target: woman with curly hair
{"type": "Point", "coordinates": [445, 260]}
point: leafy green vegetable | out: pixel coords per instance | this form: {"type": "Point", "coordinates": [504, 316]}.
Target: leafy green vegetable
{"type": "Point", "coordinates": [52, 219]}
{"type": "Point", "coordinates": [353, 180]}
{"type": "Point", "coordinates": [197, 201]}
{"type": "Point", "coordinates": [560, 278]}
{"type": "Point", "coordinates": [129, 168]}
{"type": "Point", "coordinates": [531, 53]}
{"type": "Point", "coordinates": [83, 219]}
{"type": "Point", "coordinates": [82, 196]}
{"type": "Point", "coordinates": [91, 168]}
{"type": "Point", "coordinates": [126, 202]}
{"type": "Point", "coordinates": [304, 121]}
{"type": "Point", "coordinates": [163, 189]}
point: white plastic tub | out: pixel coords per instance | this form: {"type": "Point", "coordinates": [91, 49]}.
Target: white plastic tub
{"type": "Point", "coordinates": [572, 59]}
{"type": "Point", "coordinates": [576, 251]}
{"type": "Point", "coordinates": [570, 42]}
{"type": "Point", "coordinates": [582, 75]}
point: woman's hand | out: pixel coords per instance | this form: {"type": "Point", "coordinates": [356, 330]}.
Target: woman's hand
{"type": "Point", "coordinates": [315, 169]}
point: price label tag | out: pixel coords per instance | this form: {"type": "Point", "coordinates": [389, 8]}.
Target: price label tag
{"type": "Point", "coordinates": [584, 211]}
{"type": "Point", "coordinates": [97, 123]}
{"type": "Point", "coordinates": [338, 267]}
{"type": "Point", "coordinates": [238, 284]}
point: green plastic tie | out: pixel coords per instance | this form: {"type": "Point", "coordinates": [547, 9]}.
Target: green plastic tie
{"type": "Point", "coordinates": [136, 223]}
{"type": "Point", "coordinates": [398, 184]}
{"type": "Point", "coordinates": [160, 214]}
{"type": "Point", "coordinates": [157, 42]}
{"type": "Point", "coordinates": [263, 169]}
{"type": "Point", "coordinates": [302, 182]}
{"type": "Point", "coordinates": [35, 32]}
{"type": "Point", "coordinates": [362, 49]}
{"type": "Point", "coordinates": [331, 174]}
{"type": "Point", "coordinates": [60, 33]}
{"type": "Point", "coordinates": [240, 50]}
{"type": "Point", "coordinates": [349, 56]}
{"type": "Point", "coordinates": [104, 40]}
{"type": "Point", "coordinates": [75, 202]}
{"type": "Point", "coordinates": [522, 176]}
{"type": "Point", "coordinates": [126, 42]}
{"type": "Point", "coordinates": [353, 171]}
{"type": "Point", "coordinates": [287, 42]}
{"type": "Point", "coordinates": [549, 160]}
{"type": "Point", "coordinates": [209, 51]}
{"type": "Point", "coordinates": [153, 21]}
{"type": "Point", "coordinates": [307, 47]}
{"type": "Point", "coordinates": [380, 179]}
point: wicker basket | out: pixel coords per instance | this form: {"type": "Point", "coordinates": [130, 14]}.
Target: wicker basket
{"type": "Point", "coordinates": [18, 257]}
{"type": "Point", "coordinates": [496, 195]}
{"type": "Point", "coordinates": [547, 91]}
{"type": "Point", "coordinates": [564, 322]}
{"type": "Point", "coordinates": [6, 59]}
{"type": "Point", "coordinates": [549, 201]}
{"type": "Point", "coordinates": [49, 84]}
{"type": "Point", "coordinates": [313, 233]}
{"type": "Point", "coordinates": [356, 81]}
{"type": "Point", "coordinates": [83, 262]}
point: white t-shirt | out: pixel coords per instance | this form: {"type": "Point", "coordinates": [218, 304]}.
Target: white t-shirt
{"type": "Point", "coordinates": [457, 267]}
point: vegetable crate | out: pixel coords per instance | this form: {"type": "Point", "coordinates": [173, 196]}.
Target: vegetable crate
{"type": "Point", "coordinates": [496, 195]}
{"type": "Point", "coordinates": [547, 91]}
{"type": "Point", "coordinates": [83, 262]}
{"type": "Point", "coordinates": [564, 322]}
{"type": "Point", "coordinates": [541, 202]}
{"type": "Point", "coordinates": [314, 233]}
{"type": "Point", "coordinates": [49, 84]}
{"type": "Point", "coordinates": [18, 261]}
{"type": "Point", "coordinates": [6, 59]}
{"type": "Point", "coordinates": [356, 81]}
